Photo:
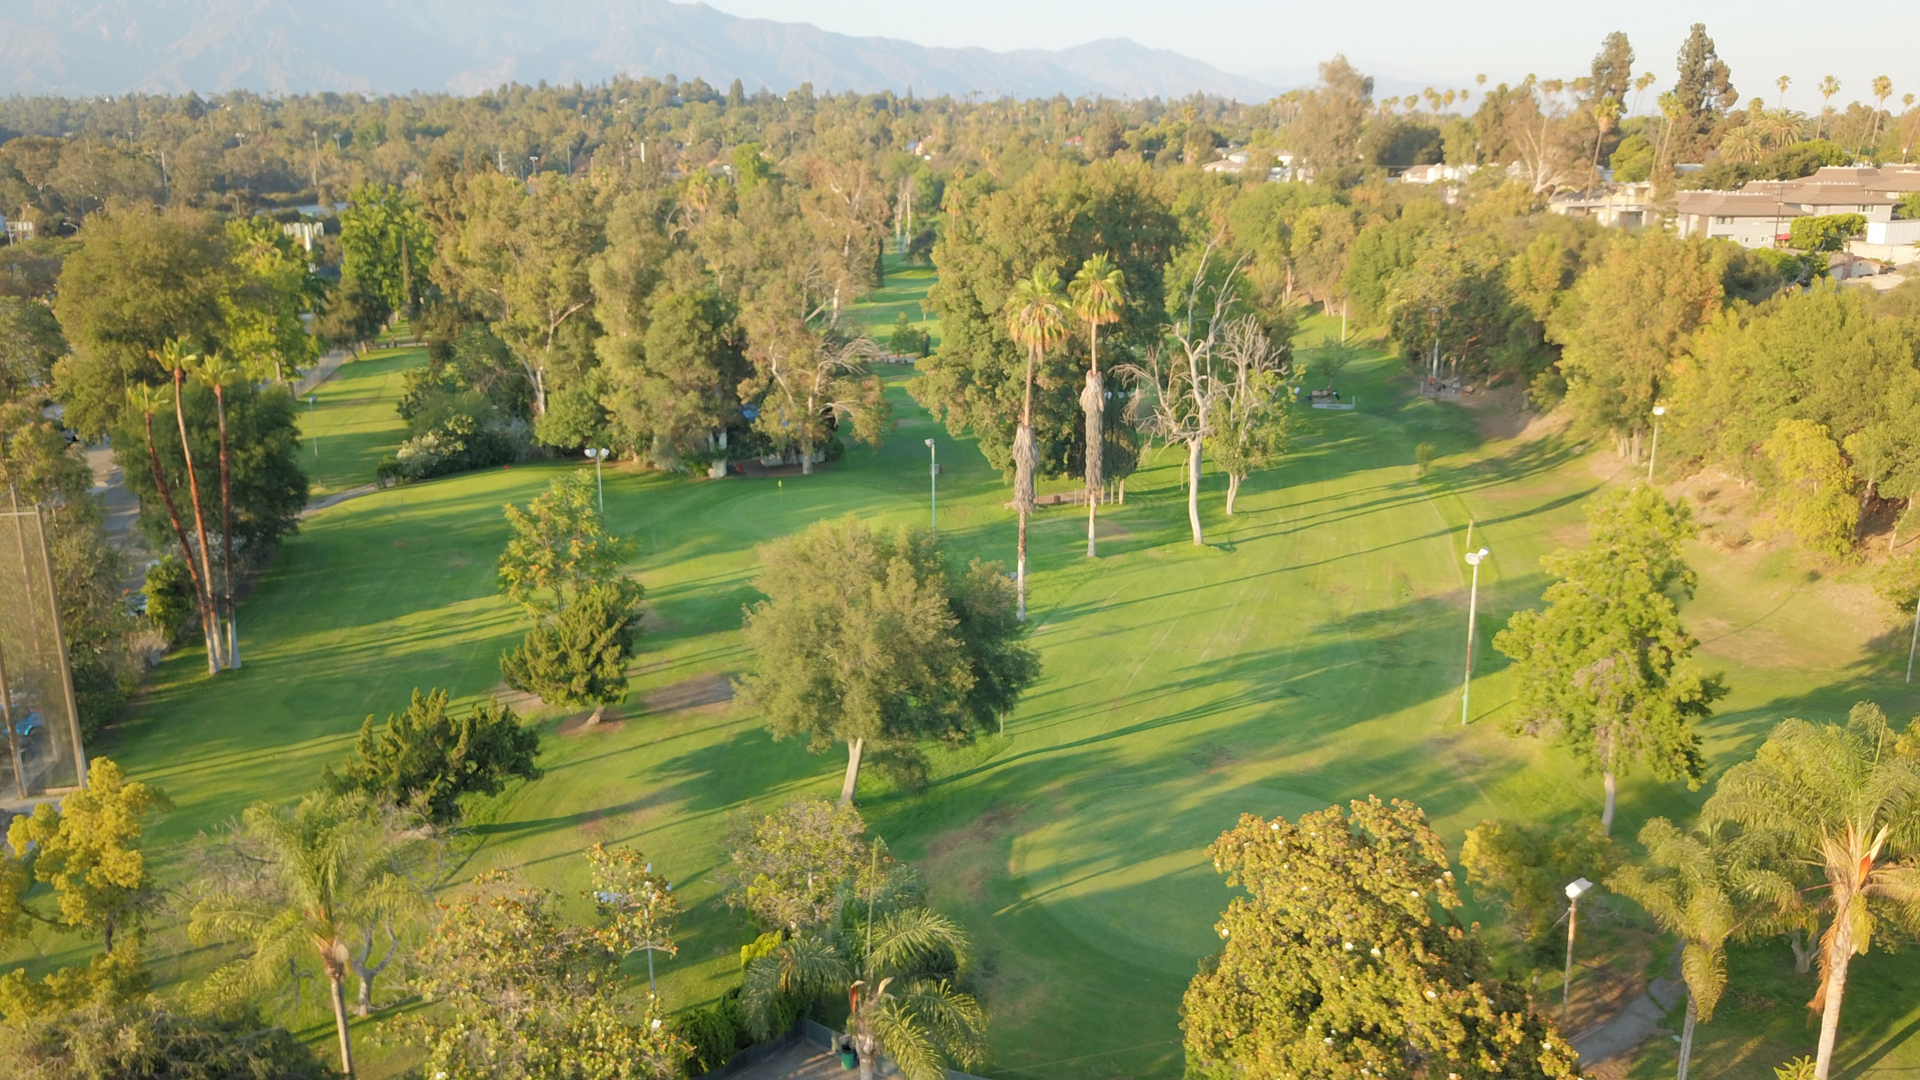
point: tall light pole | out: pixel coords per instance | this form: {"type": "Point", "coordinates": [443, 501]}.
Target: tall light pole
{"type": "Point", "coordinates": [1916, 641]}
{"type": "Point", "coordinates": [1654, 452]}
{"type": "Point", "coordinates": [599, 455]}
{"type": "Point", "coordinates": [1576, 889]}
{"type": "Point", "coordinates": [311, 398]}
{"type": "Point", "coordinates": [933, 480]}
{"type": "Point", "coordinates": [1473, 603]}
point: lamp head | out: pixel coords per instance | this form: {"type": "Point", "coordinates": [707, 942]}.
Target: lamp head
{"type": "Point", "coordinates": [1659, 410]}
{"type": "Point", "coordinates": [1474, 557]}
{"type": "Point", "coordinates": [929, 444]}
{"type": "Point", "coordinates": [1578, 888]}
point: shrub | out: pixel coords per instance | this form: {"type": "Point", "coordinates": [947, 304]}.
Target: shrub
{"type": "Point", "coordinates": [428, 759]}
{"type": "Point", "coordinates": [169, 593]}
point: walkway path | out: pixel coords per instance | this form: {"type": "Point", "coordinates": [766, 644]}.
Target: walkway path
{"type": "Point", "coordinates": [1632, 1025]}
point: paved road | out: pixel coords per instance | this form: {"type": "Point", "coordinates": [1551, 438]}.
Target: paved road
{"type": "Point", "coordinates": [1632, 1025]}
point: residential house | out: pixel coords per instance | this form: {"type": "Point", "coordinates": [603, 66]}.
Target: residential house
{"type": "Point", "coordinates": [1759, 214]}
{"type": "Point", "coordinates": [1279, 164]}
{"type": "Point", "coordinates": [1621, 206]}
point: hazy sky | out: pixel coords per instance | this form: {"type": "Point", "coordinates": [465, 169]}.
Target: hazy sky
{"type": "Point", "coordinates": [1442, 43]}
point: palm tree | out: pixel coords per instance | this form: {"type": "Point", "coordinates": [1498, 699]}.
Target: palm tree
{"type": "Point", "coordinates": [149, 400]}
{"type": "Point", "coordinates": [1097, 298]}
{"type": "Point", "coordinates": [175, 358]}
{"type": "Point", "coordinates": [217, 372]}
{"type": "Point", "coordinates": [325, 873]}
{"type": "Point", "coordinates": [1037, 321]}
{"type": "Point", "coordinates": [1829, 86]}
{"type": "Point", "coordinates": [1841, 807]}
{"type": "Point", "coordinates": [1882, 90]}
{"type": "Point", "coordinates": [1780, 127]}
{"type": "Point", "coordinates": [1684, 887]}
{"type": "Point", "coordinates": [1740, 145]}
{"type": "Point", "coordinates": [1783, 82]}
{"type": "Point", "coordinates": [897, 972]}
{"type": "Point", "coordinates": [1606, 113]}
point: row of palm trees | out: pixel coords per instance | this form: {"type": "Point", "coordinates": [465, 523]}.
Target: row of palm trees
{"type": "Point", "coordinates": [1780, 127]}
{"type": "Point", "coordinates": [217, 373]}
{"type": "Point", "coordinates": [1821, 828]}
{"type": "Point", "coordinates": [1037, 314]}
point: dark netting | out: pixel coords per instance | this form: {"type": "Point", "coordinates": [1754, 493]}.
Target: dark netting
{"type": "Point", "coordinates": [42, 734]}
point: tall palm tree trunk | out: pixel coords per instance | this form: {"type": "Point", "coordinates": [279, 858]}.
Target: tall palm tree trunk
{"type": "Point", "coordinates": [200, 529]}
{"type": "Point", "coordinates": [1025, 455]}
{"type": "Point", "coordinates": [179, 532]}
{"type": "Point", "coordinates": [1834, 985]}
{"type": "Point", "coordinates": [337, 980]}
{"type": "Point", "coordinates": [1686, 1036]}
{"type": "Point", "coordinates": [1093, 403]}
{"type": "Point", "coordinates": [226, 527]}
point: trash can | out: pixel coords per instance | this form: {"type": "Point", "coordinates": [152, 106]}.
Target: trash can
{"type": "Point", "coordinates": [849, 1058]}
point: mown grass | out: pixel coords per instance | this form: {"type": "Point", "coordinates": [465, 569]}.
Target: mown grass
{"type": "Point", "coordinates": [1309, 652]}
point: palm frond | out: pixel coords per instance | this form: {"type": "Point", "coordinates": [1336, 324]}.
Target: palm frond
{"type": "Point", "coordinates": [918, 941]}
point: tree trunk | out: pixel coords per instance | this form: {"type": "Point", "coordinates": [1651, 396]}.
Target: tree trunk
{"type": "Point", "coordinates": [339, 983]}
{"type": "Point", "coordinates": [1839, 955]}
{"type": "Point", "coordinates": [179, 530]}
{"type": "Point", "coordinates": [1020, 573]}
{"type": "Point", "coordinates": [1803, 952]}
{"type": "Point", "coordinates": [226, 527]}
{"type": "Point", "coordinates": [1092, 403]}
{"type": "Point", "coordinates": [806, 459]}
{"type": "Point", "coordinates": [207, 603]}
{"type": "Point", "coordinates": [1233, 491]}
{"type": "Point", "coordinates": [1686, 1035]}
{"type": "Point", "coordinates": [853, 771]}
{"type": "Point", "coordinates": [1606, 813]}
{"type": "Point", "coordinates": [1193, 490]}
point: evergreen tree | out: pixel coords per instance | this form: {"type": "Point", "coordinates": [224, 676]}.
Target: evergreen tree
{"type": "Point", "coordinates": [427, 758]}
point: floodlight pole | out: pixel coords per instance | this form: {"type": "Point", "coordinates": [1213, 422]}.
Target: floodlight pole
{"type": "Point", "coordinates": [312, 423]}
{"type": "Point", "coordinates": [599, 455]}
{"type": "Point", "coordinates": [1575, 890]}
{"type": "Point", "coordinates": [1653, 453]}
{"type": "Point", "coordinates": [1916, 640]}
{"type": "Point", "coordinates": [933, 481]}
{"type": "Point", "coordinates": [1474, 559]}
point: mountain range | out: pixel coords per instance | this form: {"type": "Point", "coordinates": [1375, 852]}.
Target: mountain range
{"type": "Point", "coordinates": [86, 47]}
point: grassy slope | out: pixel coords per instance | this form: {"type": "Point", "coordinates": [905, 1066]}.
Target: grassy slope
{"type": "Point", "coordinates": [1308, 654]}
{"type": "Point", "coordinates": [353, 415]}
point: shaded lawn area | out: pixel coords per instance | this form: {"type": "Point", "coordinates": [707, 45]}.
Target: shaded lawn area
{"type": "Point", "coordinates": [1309, 653]}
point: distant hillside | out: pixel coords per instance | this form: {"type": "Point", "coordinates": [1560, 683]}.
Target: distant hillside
{"type": "Point", "coordinates": [81, 47]}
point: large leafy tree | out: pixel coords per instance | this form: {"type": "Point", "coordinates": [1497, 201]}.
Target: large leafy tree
{"type": "Point", "coordinates": [1054, 218]}
{"type": "Point", "coordinates": [1250, 426]}
{"type": "Point", "coordinates": [1625, 322]}
{"type": "Point", "coordinates": [812, 383]}
{"type": "Point", "coordinates": [521, 253]}
{"type": "Point", "coordinates": [1835, 813]}
{"type": "Point", "coordinates": [792, 869]}
{"type": "Point", "coordinates": [152, 1040]}
{"type": "Point", "coordinates": [1606, 669]}
{"type": "Point", "coordinates": [428, 758]}
{"type": "Point", "coordinates": [139, 279]}
{"type": "Point", "coordinates": [860, 641]}
{"type": "Point", "coordinates": [675, 394]}
{"type": "Point", "coordinates": [88, 849]}
{"type": "Point", "coordinates": [1702, 92]}
{"type": "Point", "coordinates": [560, 548]}
{"type": "Point", "coordinates": [1345, 956]}
{"type": "Point", "coordinates": [527, 995]}
{"type": "Point", "coordinates": [386, 245]}
{"type": "Point", "coordinates": [579, 657]}
{"type": "Point", "coordinates": [270, 287]}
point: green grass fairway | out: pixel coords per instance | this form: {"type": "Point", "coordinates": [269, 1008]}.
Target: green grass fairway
{"type": "Point", "coordinates": [1309, 653]}
{"type": "Point", "coordinates": [906, 287]}
{"type": "Point", "coordinates": [353, 415]}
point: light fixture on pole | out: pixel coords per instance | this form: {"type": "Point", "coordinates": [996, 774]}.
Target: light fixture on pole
{"type": "Point", "coordinates": [1576, 889]}
{"type": "Point", "coordinates": [598, 455]}
{"type": "Point", "coordinates": [1474, 558]}
{"type": "Point", "coordinates": [1654, 452]}
{"type": "Point", "coordinates": [933, 480]}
